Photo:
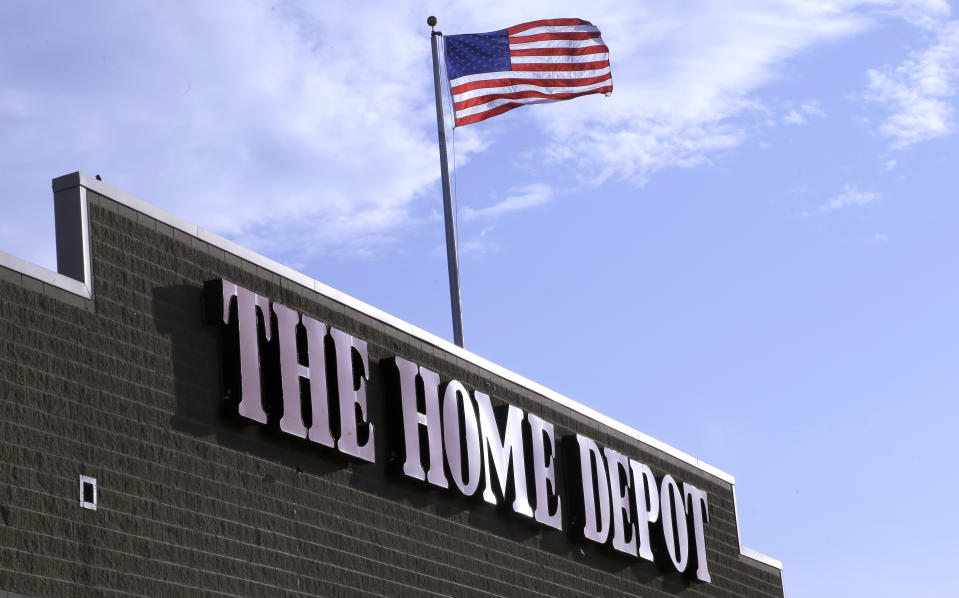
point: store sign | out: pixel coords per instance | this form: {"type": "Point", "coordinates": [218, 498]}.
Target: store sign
{"type": "Point", "coordinates": [450, 437]}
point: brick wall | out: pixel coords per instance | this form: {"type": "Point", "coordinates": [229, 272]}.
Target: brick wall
{"type": "Point", "coordinates": [126, 388]}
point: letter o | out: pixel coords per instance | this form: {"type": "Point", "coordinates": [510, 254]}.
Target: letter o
{"type": "Point", "coordinates": [672, 505]}
{"type": "Point", "coordinates": [453, 441]}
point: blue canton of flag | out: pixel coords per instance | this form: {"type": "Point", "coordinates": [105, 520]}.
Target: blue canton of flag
{"type": "Point", "coordinates": [541, 61]}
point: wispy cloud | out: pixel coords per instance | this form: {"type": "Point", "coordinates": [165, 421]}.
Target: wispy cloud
{"type": "Point", "coordinates": [685, 82]}
{"type": "Point", "coordinates": [794, 117]}
{"type": "Point", "coordinates": [294, 131]}
{"type": "Point", "coordinates": [927, 14]}
{"type": "Point", "coordinates": [480, 245]}
{"type": "Point", "coordinates": [918, 91]}
{"type": "Point", "coordinates": [798, 116]}
{"type": "Point", "coordinates": [269, 123]}
{"type": "Point", "coordinates": [850, 196]}
{"type": "Point", "coordinates": [521, 198]}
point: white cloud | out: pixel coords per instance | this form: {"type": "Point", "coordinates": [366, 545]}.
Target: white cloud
{"type": "Point", "coordinates": [684, 81]}
{"type": "Point", "coordinates": [922, 13]}
{"type": "Point", "coordinates": [812, 108]}
{"type": "Point", "coordinates": [479, 245]}
{"type": "Point", "coordinates": [918, 91]}
{"type": "Point", "coordinates": [794, 117]}
{"type": "Point", "coordinates": [298, 129]}
{"type": "Point", "coordinates": [295, 130]}
{"type": "Point", "coordinates": [522, 198]}
{"type": "Point", "coordinates": [798, 116]}
{"type": "Point", "coordinates": [851, 196]}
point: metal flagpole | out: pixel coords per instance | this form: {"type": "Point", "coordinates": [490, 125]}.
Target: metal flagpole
{"type": "Point", "coordinates": [452, 257]}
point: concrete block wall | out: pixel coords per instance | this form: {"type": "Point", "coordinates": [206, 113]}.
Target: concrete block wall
{"type": "Point", "coordinates": [125, 387]}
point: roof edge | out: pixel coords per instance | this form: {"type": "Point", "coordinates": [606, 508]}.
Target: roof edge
{"type": "Point", "coordinates": [84, 181]}
{"type": "Point", "coordinates": [41, 274]}
{"type": "Point", "coordinates": [762, 558]}
{"type": "Point", "coordinates": [78, 179]}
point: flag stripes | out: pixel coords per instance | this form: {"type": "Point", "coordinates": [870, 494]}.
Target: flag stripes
{"type": "Point", "coordinates": [540, 61]}
{"type": "Point", "coordinates": [549, 23]}
{"type": "Point", "coordinates": [528, 91]}
{"type": "Point", "coordinates": [559, 51]}
{"type": "Point", "coordinates": [506, 85]}
{"type": "Point", "coordinates": [559, 59]}
{"type": "Point", "coordinates": [559, 66]}
{"type": "Point", "coordinates": [539, 37]}
{"type": "Point", "coordinates": [468, 82]}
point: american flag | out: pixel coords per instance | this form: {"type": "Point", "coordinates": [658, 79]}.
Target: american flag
{"type": "Point", "coordinates": [540, 61]}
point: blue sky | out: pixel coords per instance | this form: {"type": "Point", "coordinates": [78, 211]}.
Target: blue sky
{"type": "Point", "coordinates": [748, 251]}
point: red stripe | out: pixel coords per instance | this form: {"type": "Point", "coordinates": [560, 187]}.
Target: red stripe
{"type": "Point", "coordinates": [545, 23]}
{"type": "Point", "coordinates": [528, 94]}
{"type": "Point", "coordinates": [475, 118]}
{"type": "Point", "coordinates": [560, 66]}
{"type": "Point", "coordinates": [541, 37]}
{"type": "Point", "coordinates": [538, 82]}
{"type": "Point", "coordinates": [560, 51]}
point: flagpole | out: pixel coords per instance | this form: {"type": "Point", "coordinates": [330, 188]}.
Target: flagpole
{"type": "Point", "coordinates": [452, 257]}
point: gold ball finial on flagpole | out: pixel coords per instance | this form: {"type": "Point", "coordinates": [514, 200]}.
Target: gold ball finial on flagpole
{"type": "Point", "coordinates": [431, 21]}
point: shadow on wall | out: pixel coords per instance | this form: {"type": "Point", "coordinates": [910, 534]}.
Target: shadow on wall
{"type": "Point", "coordinates": [201, 408]}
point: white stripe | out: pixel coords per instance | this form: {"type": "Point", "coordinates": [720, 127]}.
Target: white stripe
{"type": "Point", "coordinates": [558, 29]}
{"type": "Point", "coordinates": [497, 103]}
{"type": "Point", "coordinates": [488, 91]}
{"type": "Point", "coordinates": [515, 88]}
{"type": "Point", "coordinates": [559, 43]}
{"type": "Point", "coordinates": [528, 75]}
{"type": "Point", "coordinates": [528, 87]}
{"type": "Point", "coordinates": [545, 59]}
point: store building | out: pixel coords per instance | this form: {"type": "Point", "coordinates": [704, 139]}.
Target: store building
{"type": "Point", "coordinates": [183, 417]}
